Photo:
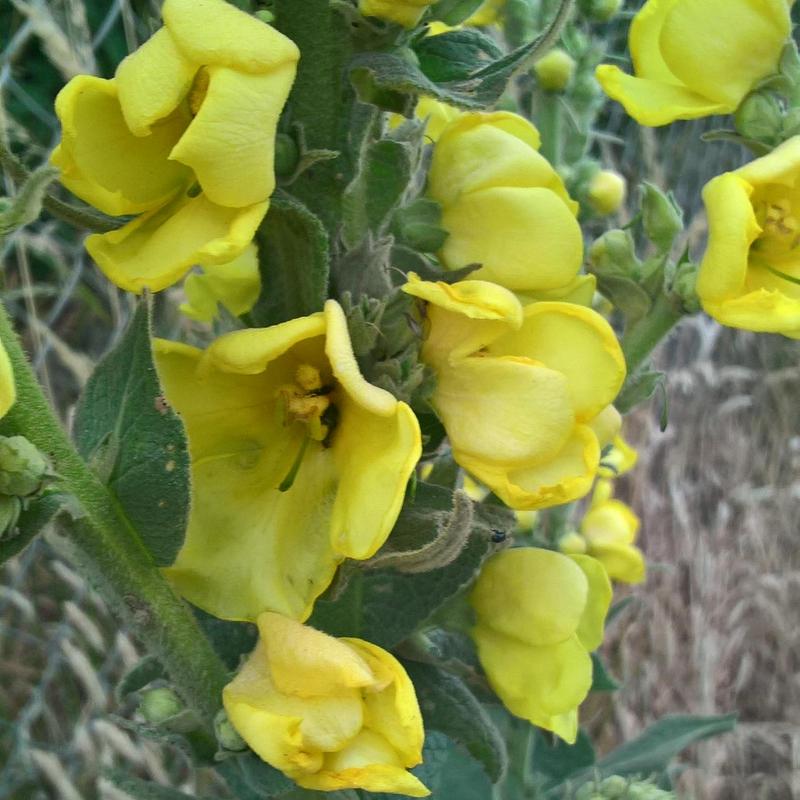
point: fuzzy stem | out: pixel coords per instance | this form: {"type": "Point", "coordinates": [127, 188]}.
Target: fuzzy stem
{"type": "Point", "coordinates": [105, 545]}
{"type": "Point", "coordinates": [643, 337]}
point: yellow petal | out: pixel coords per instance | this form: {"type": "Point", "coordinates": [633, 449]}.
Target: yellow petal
{"type": "Point", "coordinates": [653, 103]}
{"type": "Point", "coordinates": [375, 456]}
{"type": "Point", "coordinates": [404, 12]}
{"type": "Point", "coordinates": [732, 228]}
{"type": "Point", "coordinates": [606, 425]}
{"type": "Point", "coordinates": [645, 41]}
{"type": "Point", "coordinates": [152, 81]}
{"type": "Point", "coordinates": [535, 596]}
{"type": "Point", "coordinates": [368, 762]}
{"type": "Point", "coordinates": [539, 684]}
{"type": "Point", "coordinates": [763, 310]}
{"type": "Point", "coordinates": [591, 628]}
{"type": "Point", "coordinates": [308, 663]}
{"type": "Point", "coordinates": [477, 150]}
{"type": "Point", "coordinates": [504, 410]}
{"type": "Point", "coordinates": [566, 477]}
{"type": "Point", "coordinates": [610, 521]}
{"type": "Point", "coordinates": [780, 166]}
{"type": "Point", "coordinates": [622, 562]}
{"type": "Point", "coordinates": [8, 389]}
{"type": "Point", "coordinates": [102, 162]}
{"type": "Point", "coordinates": [527, 239]}
{"type": "Point", "coordinates": [577, 342]}
{"type": "Point", "coordinates": [579, 291]}
{"type": "Point", "coordinates": [749, 36]}
{"type": "Point", "coordinates": [230, 142]}
{"type": "Point", "coordinates": [158, 249]}
{"type": "Point", "coordinates": [619, 460]}
{"type": "Point", "coordinates": [216, 32]}
{"type": "Point", "coordinates": [236, 285]}
{"type": "Point", "coordinates": [392, 711]}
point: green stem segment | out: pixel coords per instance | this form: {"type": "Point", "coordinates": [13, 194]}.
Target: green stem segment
{"type": "Point", "coordinates": [105, 543]}
{"type": "Point", "coordinates": [642, 337]}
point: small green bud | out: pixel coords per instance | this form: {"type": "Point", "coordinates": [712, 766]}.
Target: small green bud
{"type": "Point", "coordinates": [227, 736]}
{"type": "Point", "coordinates": [159, 705]}
{"type": "Point", "coordinates": [287, 154]}
{"type": "Point", "coordinates": [614, 253]}
{"type": "Point", "coordinates": [22, 466]}
{"type": "Point", "coordinates": [759, 117]}
{"type": "Point", "coordinates": [606, 191]}
{"type": "Point", "coordinates": [685, 286]}
{"type": "Point", "coordinates": [600, 10]}
{"type": "Point", "coordinates": [265, 16]}
{"type": "Point", "coordinates": [10, 508]}
{"type": "Point", "coordinates": [614, 787]}
{"type": "Point", "coordinates": [661, 216]}
{"type": "Point", "coordinates": [554, 70]}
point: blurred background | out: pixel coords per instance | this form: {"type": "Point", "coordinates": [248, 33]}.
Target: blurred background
{"type": "Point", "coordinates": [715, 627]}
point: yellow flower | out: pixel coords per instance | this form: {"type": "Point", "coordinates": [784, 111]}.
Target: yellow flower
{"type": "Point", "coordinates": [329, 713]}
{"type": "Point", "coordinates": [236, 285]}
{"type": "Point", "coordinates": [609, 529]}
{"type": "Point", "coordinates": [539, 615]}
{"type": "Point", "coordinates": [519, 388]}
{"type": "Point", "coordinates": [8, 389]}
{"type": "Point", "coordinates": [297, 463]}
{"type": "Point", "coordinates": [487, 14]}
{"type": "Point", "coordinates": [750, 274]}
{"type": "Point", "coordinates": [619, 459]}
{"type": "Point", "coordinates": [435, 114]}
{"type": "Point", "coordinates": [693, 59]}
{"type": "Point", "coordinates": [183, 136]}
{"type": "Point", "coordinates": [404, 12]}
{"type": "Point", "coordinates": [504, 206]}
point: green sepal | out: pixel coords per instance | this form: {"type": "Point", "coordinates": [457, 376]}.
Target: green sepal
{"type": "Point", "coordinates": [602, 681]}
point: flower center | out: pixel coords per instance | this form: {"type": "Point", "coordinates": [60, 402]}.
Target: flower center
{"type": "Point", "coordinates": [309, 402]}
{"type": "Point", "coordinates": [780, 228]}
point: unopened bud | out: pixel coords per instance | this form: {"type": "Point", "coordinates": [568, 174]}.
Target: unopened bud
{"type": "Point", "coordinates": [10, 508]}
{"type": "Point", "coordinates": [662, 218]}
{"type": "Point", "coordinates": [286, 155]}
{"type": "Point", "coordinates": [159, 705]}
{"type": "Point", "coordinates": [606, 192]}
{"type": "Point", "coordinates": [685, 286]}
{"type": "Point", "coordinates": [614, 787]}
{"type": "Point", "coordinates": [22, 466]}
{"type": "Point", "coordinates": [572, 543]}
{"type": "Point", "coordinates": [614, 254]}
{"type": "Point", "coordinates": [227, 736]}
{"type": "Point", "coordinates": [600, 10]}
{"type": "Point", "coordinates": [554, 70]}
{"type": "Point", "coordinates": [759, 117]}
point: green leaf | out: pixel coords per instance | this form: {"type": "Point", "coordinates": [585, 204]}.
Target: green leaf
{"type": "Point", "coordinates": [25, 206]}
{"type": "Point", "coordinates": [294, 261]}
{"type": "Point", "coordinates": [456, 55]}
{"type": "Point", "coordinates": [250, 778]}
{"type": "Point", "coordinates": [553, 760]}
{"type": "Point", "coordinates": [601, 678]}
{"type": "Point", "coordinates": [147, 790]}
{"type": "Point", "coordinates": [626, 295]}
{"type": "Point", "coordinates": [376, 191]}
{"type": "Point", "coordinates": [231, 640]}
{"type": "Point", "coordinates": [384, 605]}
{"type": "Point", "coordinates": [450, 707]}
{"type": "Point", "coordinates": [149, 669]}
{"type": "Point", "coordinates": [31, 522]}
{"type": "Point", "coordinates": [652, 751]}
{"type": "Point", "coordinates": [454, 12]}
{"type": "Point", "coordinates": [639, 386]}
{"type": "Point", "coordinates": [135, 442]}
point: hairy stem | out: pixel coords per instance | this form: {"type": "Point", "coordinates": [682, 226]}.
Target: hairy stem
{"type": "Point", "coordinates": [642, 338]}
{"type": "Point", "coordinates": [106, 546]}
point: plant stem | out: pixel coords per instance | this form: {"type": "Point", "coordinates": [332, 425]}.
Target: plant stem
{"type": "Point", "coordinates": [79, 217]}
{"type": "Point", "coordinates": [548, 120]}
{"type": "Point", "coordinates": [641, 339]}
{"type": "Point", "coordinates": [106, 546]}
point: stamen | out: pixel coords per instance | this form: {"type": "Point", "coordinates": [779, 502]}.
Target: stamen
{"type": "Point", "coordinates": [289, 480]}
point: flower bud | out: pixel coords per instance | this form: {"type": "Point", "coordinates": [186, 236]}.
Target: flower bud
{"type": "Point", "coordinates": [661, 216]}
{"type": "Point", "coordinates": [572, 543]}
{"type": "Point", "coordinates": [554, 71]}
{"type": "Point", "coordinates": [614, 254]}
{"type": "Point", "coordinates": [600, 10]}
{"type": "Point", "coordinates": [22, 466]}
{"type": "Point", "coordinates": [614, 786]}
{"type": "Point", "coordinates": [227, 736]}
{"type": "Point", "coordinates": [606, 191]}
{"type": "Point", "coordinates": [759, 117]}
{"type": "Point", "coordinates": [158, 705]}
{"type": "Point", "coordinates": [287, 155]}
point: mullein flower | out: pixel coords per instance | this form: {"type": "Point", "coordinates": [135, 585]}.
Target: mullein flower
{"type": "Point", "coordinates": [750, 273]}
{"type": "Point", "coordinates": [608, 533]}
{"type": "Point", "coordinates": [504, 206]}
{"type": "Point", "coordinates": [693, 59]}
{"type": "Point", "coordinates": [539, 615]}
{"type": "Point", "coordinates": [297, 463]}
{"type": "Point", "coordinates": [404, 12]}
{"type": "Point", "coordinates": [235, 285]}
{"type": "Point", "coordinates": [519, 389]}
{"type": "Point", "coordinates": [183, 137]}
{"type": "Point", "coordinates": [329, 713]}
